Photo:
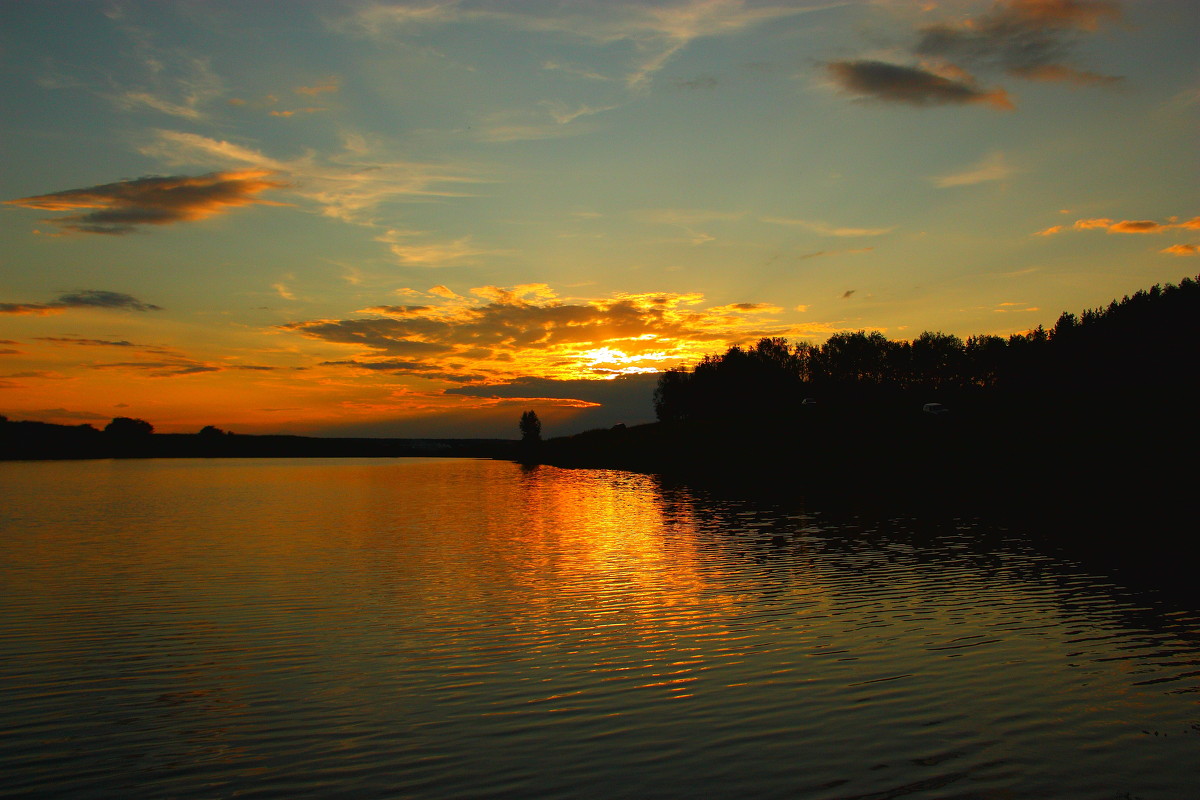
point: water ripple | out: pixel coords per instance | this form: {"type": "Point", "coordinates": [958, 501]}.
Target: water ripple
{"type": "Point", "coordinates": [465, 629]}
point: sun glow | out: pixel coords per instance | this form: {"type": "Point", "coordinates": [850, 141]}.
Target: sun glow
{"type": "Point", "coordinates": [610, 362]}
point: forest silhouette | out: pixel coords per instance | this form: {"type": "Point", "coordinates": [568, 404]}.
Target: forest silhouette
{"type": "Point", "coordinates": [1138, 351]}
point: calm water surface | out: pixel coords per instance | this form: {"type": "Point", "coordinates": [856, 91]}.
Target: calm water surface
{"type": "Point", "coordinates": [454, 628]}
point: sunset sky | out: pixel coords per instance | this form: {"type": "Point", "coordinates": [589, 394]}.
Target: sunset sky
{"type": "Point", "coordinates": [420, 219]}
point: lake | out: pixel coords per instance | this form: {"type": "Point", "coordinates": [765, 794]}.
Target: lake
{"type": "Point", "coordinates": [441, 628]}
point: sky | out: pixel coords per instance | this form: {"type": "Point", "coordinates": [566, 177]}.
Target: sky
{"type": "Point", "coordinates": [423, 218]}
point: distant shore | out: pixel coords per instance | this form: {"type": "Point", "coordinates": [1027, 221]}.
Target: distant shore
{"type": "Point", "coordinates": [42, 441]}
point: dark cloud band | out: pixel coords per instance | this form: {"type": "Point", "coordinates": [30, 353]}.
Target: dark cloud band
{"type": "Point", "coordinates": [91, 298]}
{"type": "Point", "coordinates": [912, 85]}
{"type": "Point", "coordinates": [119, 208]}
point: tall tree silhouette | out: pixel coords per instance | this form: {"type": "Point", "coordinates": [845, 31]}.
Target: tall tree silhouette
{"type": "Point", "coordinates": [531, 427]}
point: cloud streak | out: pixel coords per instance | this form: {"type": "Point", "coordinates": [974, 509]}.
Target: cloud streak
{"type": "Point", "coordinates": [120, 208]}
{"type": "Point", "coordinates": [1127, 225]}
{"type": "Point", "coordinates": [993, 167]}
{"type": "Point", "coordinates": [825, 229]}
{"type": "Point", "coordinates": [916, 86]}
{"type": "Point", "coordinates": [90, 298]}
{"type": "Point", "coordinates": [413, 253]}
{"type": "Point", "coordinates": [348, 185]}
{"type": "Point", "coordinates": [657, 32]}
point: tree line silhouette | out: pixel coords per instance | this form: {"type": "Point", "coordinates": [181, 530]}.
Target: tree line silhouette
{"type": "Point", "coordinates": [1142, 348]}
{"type": "Point", "coordinates": [128, 437]}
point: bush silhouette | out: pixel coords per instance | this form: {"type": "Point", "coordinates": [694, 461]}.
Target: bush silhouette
{"type": "Point", "coordinates": [127, 427]}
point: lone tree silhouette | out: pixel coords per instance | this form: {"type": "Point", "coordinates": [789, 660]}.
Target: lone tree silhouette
{"type": "Point", "coordinates": [531, 427]}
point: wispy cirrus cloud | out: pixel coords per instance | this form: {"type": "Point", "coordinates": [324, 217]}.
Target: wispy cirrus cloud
{"type": "Point", "coordinates": [414, 249]}
{"type": "Point", "coordinates": [551, 120]}
{"type": "Point", "coordinates": [993, 167]}
{"type": "Point", "coordinates": [574, 70]}
{"type": "Point", "coordinates": [688, 220]}
{"type": "Point", "coordinates": [166, 78]}
{"type": "Point", "coordinates": [657, 32]}
{"type": "Point", "coordinates": [291, 112]}
{"type": "Point", "coordinates": [685, 216]}
{"type": "Point", "coordinates": [90, 298]}
{"type": "Point", "coordinates": [822, 253]}
{"type": "Point", "coordinates": [826, 229]}
{"type": "Point", "coordinates": [119, 208]}
{"type": "Point", "coordinates": [327, 86]}
{"type": "Point", "coordinates": [177, 85]}
{"type": "Point", "coordinates": [1059, 73]}
{"type": "Point", "coordinates": [349, 185]}
{"type": "Point", "coordinates": [283, 291]}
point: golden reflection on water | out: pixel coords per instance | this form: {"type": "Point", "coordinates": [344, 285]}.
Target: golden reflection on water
{"type": "Point", "coordinates": [642, 596]}
{"type": "Point", "coordinates": [419, 626]}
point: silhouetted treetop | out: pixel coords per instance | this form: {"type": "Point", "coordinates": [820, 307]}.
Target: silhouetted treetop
{"type": "Point", "coordinates": [127, 426]}
{"type": "Point", "coordinates": [531, 427]}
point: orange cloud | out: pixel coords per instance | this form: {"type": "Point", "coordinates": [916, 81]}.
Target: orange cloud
{"type": "Point", "coordinates": [295, 111]}
{"type": "Point", "coordinates": [1126, 226]}
{"type": "Point", "coordinates": [326, 86]}
{"type": "Point", "coordinates": [1082, 14]}
{"type": "Point", "coordinates": [121, 207]}
{"type": "Point", "coordinates": [1135, 225]}
{"type": "Point", "coordinates": [527, 331]}
{"type": "Point", "coordinates": [1182, 250]}
{"type": "Point", "coordinates": [1059, 73]}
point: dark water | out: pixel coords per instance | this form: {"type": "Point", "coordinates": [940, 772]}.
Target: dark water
{"type": "Point", "coordinates": [437, 628]}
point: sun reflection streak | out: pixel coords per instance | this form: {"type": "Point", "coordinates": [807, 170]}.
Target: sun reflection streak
{"type": "Point", "coordinates": [642, 602]}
